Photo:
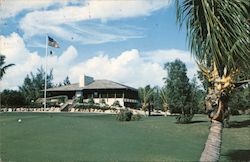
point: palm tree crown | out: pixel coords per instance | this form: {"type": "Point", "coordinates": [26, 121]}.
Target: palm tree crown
{"type": "Point", "coordinates": [3, 67]}
{"type": "Point", "coordinates": [218, 31]}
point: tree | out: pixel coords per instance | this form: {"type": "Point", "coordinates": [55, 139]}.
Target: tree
{"type": "Point", "coordinates": [34, 84]}
{"type": "Point", "coordinates": [239, 100]}
{"type": "Point", "coordinates": [146, 98]}
{"type": "Point", "coordinates": [3, 67]}
{"type": "Point", "coordinates": [197, 96]}
{"type": "Point", "coordinates": [218, 36]}
{"type": "Point", "coordinates": [178, 89]}
{"type": "Point", "coordinates": [66, 81]}
{"type": "Point", "coordinates": [163, 96]}
{"type": "Point", "coordinates": [12, 98]}
{"type": "Point", "coordinates": [157, 102]}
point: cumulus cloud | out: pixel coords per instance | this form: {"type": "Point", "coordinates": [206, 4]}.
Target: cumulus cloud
{"type": "Point", "coordinates": [163, 56]}
{"type": "Point", "coordinates": [15, 51]}
{"type": "Point", "coordinates": [25, 61]}
{"type": "Point", "coordinates": [128, 68]}
{"type": "Point", "coordinates": [131, 67]}
{"type": "Point", "coordinates": [59, 21]}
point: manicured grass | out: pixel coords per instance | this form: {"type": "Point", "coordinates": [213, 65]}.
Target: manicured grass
{"type": "Point", "coordinates": [97, 137]}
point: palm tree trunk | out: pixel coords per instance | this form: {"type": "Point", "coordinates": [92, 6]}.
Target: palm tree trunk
{"type": "Point", "coordinates": [149, 109]}
{"type": "Point", "coordinates": [211, 151]}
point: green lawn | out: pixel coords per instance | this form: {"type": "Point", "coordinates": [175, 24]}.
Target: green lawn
{"type": "Point", "coordinates": [95, 137]}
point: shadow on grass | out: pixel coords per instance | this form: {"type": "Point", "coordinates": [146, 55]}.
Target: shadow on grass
{"type": "Point", "coordinates": [239, 124]}
{"type": "Point", "coordinates": [238, 155]}
{"type": "Point", "coordinates": [197, 121]}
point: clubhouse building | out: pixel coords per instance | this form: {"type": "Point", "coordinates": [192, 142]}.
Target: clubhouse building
{"type": "Point", "coordinates": [100, 90]}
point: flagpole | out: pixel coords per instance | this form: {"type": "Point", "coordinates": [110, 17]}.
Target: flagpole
{"type": "Point", "coordinates": [45, 80]}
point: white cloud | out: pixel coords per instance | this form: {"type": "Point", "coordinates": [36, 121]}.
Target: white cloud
{"type": "Point", "coordinates": [10, 8]}
{"type": "Point", "coordinates": [16, 52]}
{"type": "Point", "coordinates": [59, 21]}
{"type": "Point", "coordinates": [164, 56]}
{"type": "Point", "coordinates": [128, 68]}
{"type": "Point", "coordinates": [131, 67]}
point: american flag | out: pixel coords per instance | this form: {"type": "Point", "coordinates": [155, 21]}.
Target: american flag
{"type": "Point", "coordinates": [52, 42]}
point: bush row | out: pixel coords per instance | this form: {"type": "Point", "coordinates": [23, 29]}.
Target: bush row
{"type": "Point", "coordinates": [93, 106]}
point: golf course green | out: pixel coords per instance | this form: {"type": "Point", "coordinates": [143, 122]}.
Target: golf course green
{"type": "Point", "coordinates": [69, 137]}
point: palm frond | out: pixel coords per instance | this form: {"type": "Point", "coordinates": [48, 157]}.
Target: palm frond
{"type": "Point", "coordinates": [217, 30]}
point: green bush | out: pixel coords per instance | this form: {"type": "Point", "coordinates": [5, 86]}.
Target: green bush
{"type": "Point", "coordinates": [12, 98]}
{"type": "Point", "coordinates": [184, 118]}
{"type": "Point", "coordinates": [124, 115]}
{"type": "Point", "coordinates": [234, 112]}
{"type": "Point", "coordinates": [136, 117]}
{"type": "Point", "coordinates": [36, 105]}
{"type": "Point", "coordinates": [79, 99]}
{"type": "Point", "coordinates": [116, 104]}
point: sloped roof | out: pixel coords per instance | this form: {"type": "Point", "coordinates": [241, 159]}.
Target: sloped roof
{"type": "Point", "coordinates": [70, 87]}
{"type": "Point", "coordinates": [106, 84]}
{"type": "Point", "coordinates": [97, 84]}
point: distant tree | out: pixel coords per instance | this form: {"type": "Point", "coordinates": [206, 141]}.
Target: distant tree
{"type": "Point", "coordinates": [163, 96]}
{"type": "Point", "coordinates": [66, 81]}
{"type": "Point", "coordinates": [146, 98]}
{"type": "Point", "coordinates": [59, 84]}
{"type": "Point", "coordinates": [178, 89]}
{"type": "Point", "coordinates": [204, 80]}
{"type": "Point", "coordinates": [157, 102]}
{"type": "Point", "coordinates": [239, 100]}
{"type": "Point", "coordinates": [197, 96]}
{"type": "Point", "coordinates": [3, 67]}
{"type": "Point", "coordinates": [34, 84]}
{"type": "Point", "coordinates": [12, 98]}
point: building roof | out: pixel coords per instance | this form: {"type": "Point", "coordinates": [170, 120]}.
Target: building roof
{"type": "Point", "coordinates": [97, 84]}
{"type": "Point", "coordinates": [70, 87]}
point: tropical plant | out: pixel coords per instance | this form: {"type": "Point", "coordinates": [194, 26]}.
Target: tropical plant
{"type": "Point", "coordinates": [146, 98]}
{"type": "Point", "coordinates": [3, 67]}
{"type": "Point", "coordinates": [163, 96]}
{"type": "Point", "coordinates": [218, 34]}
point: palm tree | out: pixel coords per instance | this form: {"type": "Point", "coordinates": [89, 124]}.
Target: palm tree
{"type": "Point", "coordinates": [218, 37]}
{"type": "Point", "coordinates": [3, 67]}
{"type": "Point", "coordinates": [163, 96]}
{"type": "Point", "coordinates": [146, 97]}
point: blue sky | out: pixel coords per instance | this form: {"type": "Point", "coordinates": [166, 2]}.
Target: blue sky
{"type": "Point", "coordinates": [126, 41]}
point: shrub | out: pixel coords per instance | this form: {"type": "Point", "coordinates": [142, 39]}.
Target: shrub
{"type": "Point", "coordinates": [184, 118]}
{"type": "Point", "coordinates": [35, 105]}
{"type": "Point", "coordinates": [91, 101]}
{"type": "Point", "coordinates": [12, 98]}
{"type": "Point", "coordinates": [247, 112]}
{"type": "Point", "coordinates": [136, 117]}
{"type": "Point", "coordinates": [116, 104]}
{"type": "Point", "coordinates": [234, 112]}
{"type": "Point", "coordinates": [124, 115]}
{"type": "Point", "coordinates": [79, 99]}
